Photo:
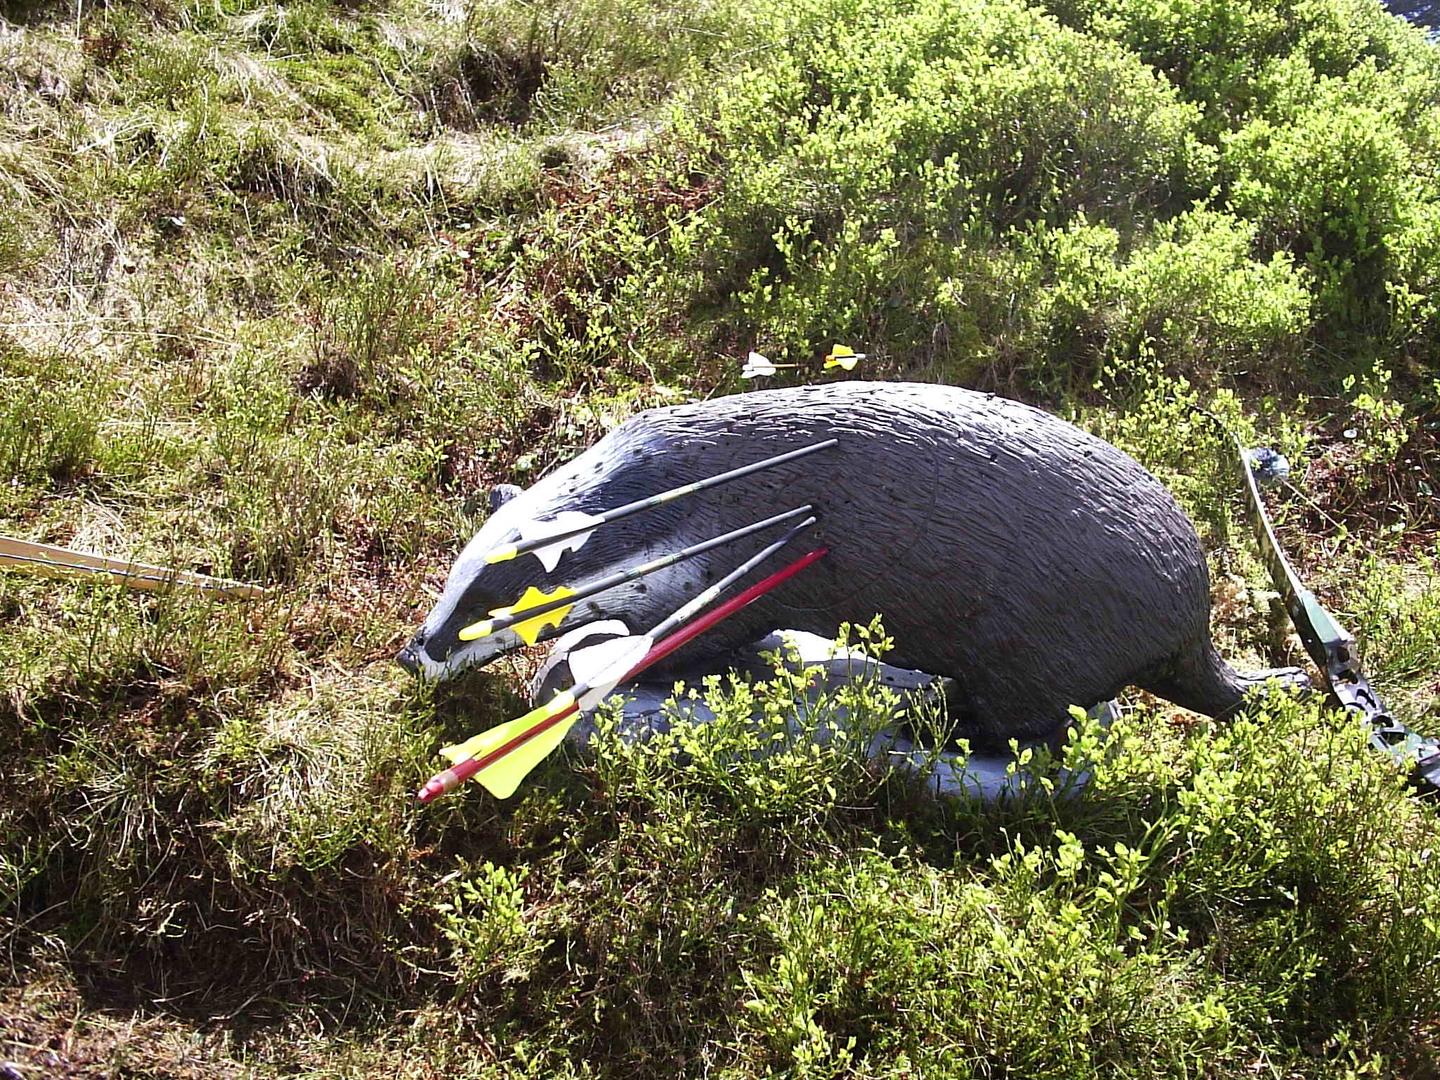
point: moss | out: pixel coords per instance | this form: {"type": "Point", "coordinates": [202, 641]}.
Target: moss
{"type": "Point", "coordinates": [352, 92]}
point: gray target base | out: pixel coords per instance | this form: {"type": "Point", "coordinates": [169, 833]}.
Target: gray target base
{"type": "Point", "coordinates": [650, 705]}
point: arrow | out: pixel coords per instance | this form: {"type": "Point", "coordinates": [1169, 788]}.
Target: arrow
{"type": "Point", "coordinates": [508, 752]}
{"type": "Point", "coordinates": [47, 560]}
{"type": "Point", "coordinates": [842, 356]}
{"type": "Point", "coordinates": [545, 609]}
{"type": "Point", "coordinates": [757, 365]}
{"type": "Point", "coordinates": [550, 539]}
{"type": "Point", "coordinates": [504, 755]}
{"type": "Point", "coordinates": [501, 757]}
{"type": "Point", "coordinates": [535, 609]}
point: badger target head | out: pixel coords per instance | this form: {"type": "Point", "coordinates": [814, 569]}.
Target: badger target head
{"type": "Point", "coordinates": [474, 589]}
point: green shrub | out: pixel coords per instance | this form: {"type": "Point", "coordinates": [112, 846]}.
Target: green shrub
{"type": "Point", "coordinates": [483, 920]}
{"type": "Point", "coordinates": [1243, 59]}
{"type": "Point", "coordinates": [1397, 615]}
{"type": "Point", "coordinates": [1333, 184]}
{"type": "Point", "coordinates": [887, 968]}
{"type": "Point", "coordinates": [1189, 290]}
{"type": "Point", "coordinates": [1414, 286]}
{"type": "Point", "coordinates": [890, 144]}
{"type": "Point", "coordinates": [915, 174]}
{"type": "Point", "coordinates": [783, 776]}
{"type": "Point", "coordinates": [1326, 115]}
{"type": "Point", "coordinates": [365, 329]}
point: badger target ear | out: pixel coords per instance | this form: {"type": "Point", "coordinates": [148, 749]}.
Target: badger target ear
{"type": "Point", "coordinates": [500, 494]}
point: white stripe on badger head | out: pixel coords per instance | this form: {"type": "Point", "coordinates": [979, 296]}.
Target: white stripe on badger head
{"type": "Point", "coordinates": [551, 554]}
{"type": "Point", "coordinates": [499, 529]}
{"type": "Point", "coordinates": [548, 500]}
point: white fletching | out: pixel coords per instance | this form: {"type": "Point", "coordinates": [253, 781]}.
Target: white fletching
{"type": "Point", "coordinates": [756, 365]}
{"type": "Point", "coordinates": [564, 522]}
{"type": "Point", "coordinates": [600, 667]}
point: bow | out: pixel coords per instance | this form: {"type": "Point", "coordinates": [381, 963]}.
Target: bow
{"type": "Point", "coordinates": [1328, 643]}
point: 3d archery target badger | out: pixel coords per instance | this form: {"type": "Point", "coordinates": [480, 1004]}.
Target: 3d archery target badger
{"type": "Point", "coordinates": [1032, 563]}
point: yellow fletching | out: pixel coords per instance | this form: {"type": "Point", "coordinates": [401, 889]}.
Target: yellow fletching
{"type": "Point", "coordinates": [504, 776]}
{"type": "Point", "coordinates": [479, 745]}
{"type": "Point", "coordinates": [842, 356]}
{"type": "Point", "coordinates": [527, 629]}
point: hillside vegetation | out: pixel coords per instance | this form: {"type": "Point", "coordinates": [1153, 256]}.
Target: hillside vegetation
{"type": "Point", "coordinates": [284, 289]}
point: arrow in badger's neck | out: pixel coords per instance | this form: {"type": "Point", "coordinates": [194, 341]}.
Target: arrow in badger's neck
{"type": "Point", "coordinates": [502, 756]}
{"type": "Point", "coordinates": [493, 608]}
{"type": "Point", "coordinates": [623, 471]}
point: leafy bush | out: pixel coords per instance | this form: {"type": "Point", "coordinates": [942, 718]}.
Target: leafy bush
{"type": "Point", "coordinates": [1190, 291]}
{"type": "Point", "coordinates": [1239, 59]}
{"type": "Point", "coordinates": [891, 144]}
{"type": "Point", "coordinates": [889, 968]}
{"type": "Point", "coordinates": [1332, 184]}
{"type": "Point", "coordinates": [934, 195]}
{"type": "Point", "coordinates": [364, 332]}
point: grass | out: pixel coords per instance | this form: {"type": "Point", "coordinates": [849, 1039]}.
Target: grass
{"type": "Point", "coordinates": [287, 288]}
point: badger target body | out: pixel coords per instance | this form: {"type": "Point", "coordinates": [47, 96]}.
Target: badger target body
{"type": "Point", "coordinates": [1036, 565]}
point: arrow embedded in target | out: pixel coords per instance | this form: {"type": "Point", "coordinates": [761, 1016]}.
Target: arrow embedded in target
{"type": "Point", "coordinates": [549, 539]}
{"type": "Point", "coordinates": [501, 757]}
{"type": "Point", "coordinates": [842, 356]}
{"type": "Point", "coordinates": [757, 366]}
{"type": "Point", "coordinates": [528, 616]}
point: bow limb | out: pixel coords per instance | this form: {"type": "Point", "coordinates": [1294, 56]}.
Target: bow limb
{"type": "Point", "coordinates": [1332, 647]}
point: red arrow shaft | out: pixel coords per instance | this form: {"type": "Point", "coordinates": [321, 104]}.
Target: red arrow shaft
{"type": "Point", "coordinates": [689, 632]}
